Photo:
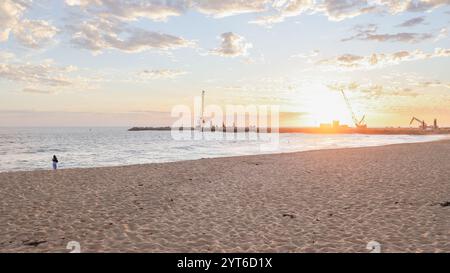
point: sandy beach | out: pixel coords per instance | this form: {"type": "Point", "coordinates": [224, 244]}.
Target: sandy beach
{"type": "Point", "coordinates": [318, 201]}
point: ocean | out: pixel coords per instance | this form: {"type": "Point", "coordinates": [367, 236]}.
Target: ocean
{"type": "Point", "coordinates": [23, 149]}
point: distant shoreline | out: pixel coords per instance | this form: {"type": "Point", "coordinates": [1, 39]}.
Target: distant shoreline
{"type": "Point", "coordinates": [314, 130]}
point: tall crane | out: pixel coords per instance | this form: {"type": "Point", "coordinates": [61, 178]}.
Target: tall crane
{"type": "Point", "coordinates": [202, 118]}
{"type": "Point", "coordinates": [423, 124]}
{"type": "Point", "coordinates": [203, 108]}
{"type": "Point", "coordinates": [358, 123]}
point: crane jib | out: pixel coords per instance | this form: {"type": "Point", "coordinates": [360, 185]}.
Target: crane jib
{"type": "Point", "coordinates": [355, 119]}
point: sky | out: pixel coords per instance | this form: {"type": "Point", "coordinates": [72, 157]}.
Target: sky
{"type": "Point", "coordinates": [129, 62]}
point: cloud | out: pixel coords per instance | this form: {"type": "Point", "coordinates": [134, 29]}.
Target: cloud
{"type": "Point", "coordinates": [29, 33]}
{"type": "Point", "coordinates": [108, 25]}
{"type": "Point", "coordinates": [161, 74]}
{"type": "Point", "coordinates": [408, 86]}
{"type": "Point", "coordinates": [10, 14]}
{"type": "Point", "coordinates": [413, 5]}
{"type": "Point", "coordinates": [443, 33]}
{"type": "Point", "coordinates": [412, 22]}
{"type": "Point", "coordinates": [338, 10]}
{"type": "Point", "coordinates": [343, 86]}
{"type": "Point", "coordinates": [232, 45]}
{"type": "Point", "coordinates": [372, 91]}
{"type": "Point", "coordinates": [83, 3]}
{"type": "Point", "coordinates": [37, 91]}
{"type": "Point", "coordinates": [308, 56]}
{"type": "Point", "coordinates": [399, 37]}
{"type": "Point", "coordinates": [127, 118]}
{"type": "Point", "coordinates": [221, 8]}
{"type": "Point", "coordinates": [103, 34]}
{"type": "Point", "coordinates": [441, 52]}
{"type": "Point", "coordinates": [335, 10]}
{"type": "Point", "coordinates": [270, 11]}
{"type": "Point", "coordinates": [378, 90]}
{"type": "Point", "coordinates": [284, 9]}
{"type": "Point", "coordinates": [43, 78]}
{"type": "Point", "coordinates": [130, 10]}
{"type": "Point", "coordinates": [43, 74]}
{"type": "Point", "coordinates": [161, 10]}
{"type": "Point", "coordinates": [6, 56]}
{"type": "Point", "coordinates": [343, 61]}
{"type": "Point", "coordinates": [352, 62]}
{"type": "Point", "coordinates": [369, 33]}
{"type": "Point", "coordinates": [435, 83]}
{"type": "Point", "coordinates": [47, 77]}
{"type": "Point", "coordinates": [34, 33]}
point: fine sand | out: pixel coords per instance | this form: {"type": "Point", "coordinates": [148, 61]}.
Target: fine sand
{"type": "Point", "coordinates": [319, 201]}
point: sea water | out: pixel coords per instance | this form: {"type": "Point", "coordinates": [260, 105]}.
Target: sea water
{"type": "Point", "coordinates": [33, 148]}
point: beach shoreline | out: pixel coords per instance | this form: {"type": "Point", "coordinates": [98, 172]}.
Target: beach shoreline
{"type": "Point", "coordinates": [334, 200]}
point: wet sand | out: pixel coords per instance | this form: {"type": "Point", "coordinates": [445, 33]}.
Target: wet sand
{"type": "Point", "coordinates": [318, 201]}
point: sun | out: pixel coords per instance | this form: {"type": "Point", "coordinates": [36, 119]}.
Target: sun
{"type": "Point", "coordinates": [323, 105]}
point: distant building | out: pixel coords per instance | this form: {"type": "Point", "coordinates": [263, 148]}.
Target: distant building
{"type": "Point", "coordinates": [325, 126]}
{"type": "Point", "coordinates": [336, 124]}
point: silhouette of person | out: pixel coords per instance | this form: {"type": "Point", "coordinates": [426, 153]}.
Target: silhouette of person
{"type": "Point", "coordinates": [55, 162]}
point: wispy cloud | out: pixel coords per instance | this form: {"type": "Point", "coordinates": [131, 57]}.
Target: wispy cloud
{"type": "Point", "coordinates": [435, 83]}
{"type": "Point", "coordinates": [407, 37]}
{"type": "Point", "coordinates": [46, 77]}
{"type": "Point", "coordinates": [132, 10]}
{"type": "Point", "coordinates": [161, 74]}
{"type": "Point", "coordinates": [220, 8]}
{"type": "Point", "coordinates": [103, 34]}
{"type": "Point", "coordinates": [412, 22]}
{"type": "Point", "coordinates": [6, 55]}
{"type": "Point", "coordinates": [38, 91]}
{"type": "Point", "coordinates": [375, 90]}
{"type": "Point", "coordinates": [161, 10]}
{"type": "Point", "coordinates": [284, 9]}
{"type": "Point", "coordinates": [370, 33]}
{"type": "Point", "coordinates": [311, 54]}
{"type": "Point", "coordinates": [443, 33]}
{"type": "Point", "coordinates": [413, 5]}
{"type": "Point", "coordinates": [378, 90]}
{"type": "Point", "coordinates": [43, 74]}
{"type": "Point", "coordinates": [379, 60]}
{"type": "Point", "coordinates": [34, 33]}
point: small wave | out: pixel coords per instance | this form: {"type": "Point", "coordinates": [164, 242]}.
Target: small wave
{"type": "Point", "coordinates": [184, 148]}
{"type": "Point", "coordinates": [51, 150]}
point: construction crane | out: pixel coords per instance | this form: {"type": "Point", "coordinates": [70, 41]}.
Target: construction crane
{"type": "Point", "coordinates": [358, 123]}
{"type": "Point", "coordinates": [423, 124]}
{"type": "Point", "coordinates": [202, 119]}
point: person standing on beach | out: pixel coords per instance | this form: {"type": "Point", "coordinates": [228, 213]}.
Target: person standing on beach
{"type": "Point", "coordinates": [55, 162]}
